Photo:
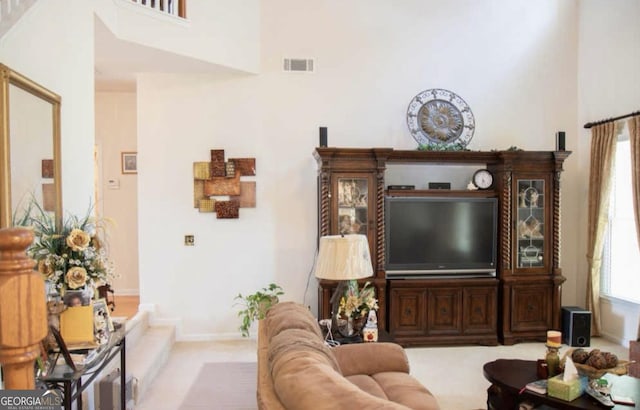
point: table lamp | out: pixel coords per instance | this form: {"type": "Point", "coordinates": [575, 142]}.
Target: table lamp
{"type": "Point", "coordinates": [342, 258]}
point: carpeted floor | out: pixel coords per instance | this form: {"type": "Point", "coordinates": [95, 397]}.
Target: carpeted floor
{"type": "Point", "coordinates": [211, 389]}
{"type": "Point", "coordinates": [227, 379]}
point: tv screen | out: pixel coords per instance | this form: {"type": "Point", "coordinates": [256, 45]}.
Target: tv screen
{"type": "Point", "coordinates": [441, 236]}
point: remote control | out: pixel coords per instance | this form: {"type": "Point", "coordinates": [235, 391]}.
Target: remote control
{"type": "Point", "coordinates": [605, 400]}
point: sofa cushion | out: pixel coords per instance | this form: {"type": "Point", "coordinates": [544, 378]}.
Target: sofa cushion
{"type": "Point", "coordinates": [290, 315]}
{"type": "Point", "coordinates": [406, 390]}
{"type": "Point", "coordinates": [371, 358]}
{"type": "Point", "coordinates": [301, 381]}
{"type": "Point", "coordinates": [300, 341]}
{"type": "Point", "coordinates": [398, 387]}
{"type": "Point", "coordinates": [368, 384]}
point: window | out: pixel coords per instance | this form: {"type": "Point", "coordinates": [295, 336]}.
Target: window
{"type": "Point", "coordinates": [621, 257]}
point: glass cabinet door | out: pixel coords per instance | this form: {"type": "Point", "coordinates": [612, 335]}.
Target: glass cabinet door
{"type": "Point", "coordinates": [530, 226]}
{"type": "Point", "coordinates": [353, 205]}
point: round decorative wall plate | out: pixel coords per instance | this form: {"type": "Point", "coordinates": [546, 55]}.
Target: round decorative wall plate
{"type": "Point", "coordinates": [438, 117]}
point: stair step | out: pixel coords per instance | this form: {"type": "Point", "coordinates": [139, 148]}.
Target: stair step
{"type": "Point", "coordinates": [136, 327]}
{"type": "Point", "coordinates": [148, 353]}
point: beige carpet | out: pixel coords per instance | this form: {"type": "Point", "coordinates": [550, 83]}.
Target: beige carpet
{"type": "Point", "coordinates": [226, 385]}
{"type": "Point", "coordinates": [453, 374]}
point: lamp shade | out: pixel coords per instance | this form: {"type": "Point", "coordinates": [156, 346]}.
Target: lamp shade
{"type": "Point", "coordinates": [343, 258]}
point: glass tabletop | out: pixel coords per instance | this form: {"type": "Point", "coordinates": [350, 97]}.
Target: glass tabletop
{"type": "Point", "coordinates": [92, 360]}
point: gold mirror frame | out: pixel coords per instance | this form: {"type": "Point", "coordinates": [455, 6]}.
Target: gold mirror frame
{"type": "Point", "coordinates": [9, 78]}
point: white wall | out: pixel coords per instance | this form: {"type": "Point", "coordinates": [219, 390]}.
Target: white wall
{"type": "Point", "coordinates": [514, 62]}
{"type": "Point", "coordinates": [224, 32]}
{"type": "Point", "coordinates": [116, 127]}
{"type": "Point", "coordinates": [609, 86]}
{"type": "Point", "coordinates": [54, 47]}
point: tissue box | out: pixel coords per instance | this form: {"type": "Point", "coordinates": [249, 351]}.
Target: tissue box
{"type": "Point", "coordinates": [568, 391]}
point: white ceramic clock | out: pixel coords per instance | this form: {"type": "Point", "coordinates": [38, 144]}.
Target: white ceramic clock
{"type": "Point", "coordinates": [482, 179]}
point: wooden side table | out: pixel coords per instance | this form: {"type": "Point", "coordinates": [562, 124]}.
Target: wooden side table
{"type": "Point", "coordinates": [508, 377]}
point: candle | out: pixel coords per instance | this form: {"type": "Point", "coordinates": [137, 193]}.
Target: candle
{"type": "Point", "coordinates": [554, 338]}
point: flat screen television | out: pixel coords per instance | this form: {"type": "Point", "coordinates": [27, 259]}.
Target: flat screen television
{"type": "Point", "coordinates": [440, 236]}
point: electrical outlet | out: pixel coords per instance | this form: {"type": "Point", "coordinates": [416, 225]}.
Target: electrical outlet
{"type": "Point", "coordinates": [189, 240]}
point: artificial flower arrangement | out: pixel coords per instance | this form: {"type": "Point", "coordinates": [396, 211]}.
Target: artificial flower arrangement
{"type": "Point", "coordinates": [356, 303]}
{"type": "Point", "coordinates": [72, 258]}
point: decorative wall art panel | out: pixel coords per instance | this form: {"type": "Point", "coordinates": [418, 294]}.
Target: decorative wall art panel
{"type": "Point", "coordinates": [47, 168]}
{"type": "Point", "coordinates": [217, 186]}
{"type": "Point", "coordinates": [217, 165]}
{"type": "Point", "coordinates": [49, 197]}
{"type": "Point", "coordinates": [217, 180]}
{"type": "Point", "coordinates": [217, 155]}
{"type": "Point", "coordinates": [247, 197]}
{"type": "Point", "coordinates": [207, 205]}
{"type": "Point", "coordinates": [227, 209]}
{"type": "Point", "coordinates": [201, 170]}
{"type": "Point", "coordinates": [198, 192]}
{"type": "Point", "coordinates": [246, 166]}
{"type": "Point", "coordinates": [231, 169]}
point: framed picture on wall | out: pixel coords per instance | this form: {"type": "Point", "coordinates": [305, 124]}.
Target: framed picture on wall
{"type": "Point", "coordinates": [129, 162]}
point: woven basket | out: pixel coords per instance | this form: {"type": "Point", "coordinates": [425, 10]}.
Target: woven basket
{"type": "Point", "coordinates": [592, 372]}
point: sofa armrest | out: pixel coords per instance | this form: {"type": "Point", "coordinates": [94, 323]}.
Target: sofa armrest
{"type": "Point", "coordinates": [371, 358]}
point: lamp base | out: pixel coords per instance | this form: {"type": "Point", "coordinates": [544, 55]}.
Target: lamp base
{"type": "Point", "coordinates": [345, 340]}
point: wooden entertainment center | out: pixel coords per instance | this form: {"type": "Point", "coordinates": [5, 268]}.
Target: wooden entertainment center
{"type": "Point", "coordinates": [519, 304]}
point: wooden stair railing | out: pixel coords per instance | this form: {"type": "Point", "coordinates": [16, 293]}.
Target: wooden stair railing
{"type": "Point", "coordinates": [23, 311]}
{"type": "Point", "coordinates": [172, 7]}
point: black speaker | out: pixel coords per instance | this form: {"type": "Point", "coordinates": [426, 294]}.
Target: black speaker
{"type": "Point", "coordinates": [576, 326]}
{"type": "Point", "coordinates": [560, 141]}
{"type": "Point", "coordinates": [323, 136]}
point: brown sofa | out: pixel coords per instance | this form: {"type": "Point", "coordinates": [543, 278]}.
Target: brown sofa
{"type": "Point", "coordinates": [296, 370]}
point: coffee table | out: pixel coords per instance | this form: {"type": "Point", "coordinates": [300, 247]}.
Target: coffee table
{"type": "Point", "coordinates": [509, 376]}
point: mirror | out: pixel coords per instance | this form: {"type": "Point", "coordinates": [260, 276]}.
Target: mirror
{"type": "Point", "coordinates": [29, 147]}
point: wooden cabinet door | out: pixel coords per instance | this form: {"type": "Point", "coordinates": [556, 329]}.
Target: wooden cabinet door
{"type": "Point", "coordinates": [479, 310]}
{"type": "Point", "coordinates": [353, 206]}
{"type": "Point", "coordinates": [407, 312]}
{"type": "Point", "coordinates": [533, 223]}
{"type": "Point", "coordinates": [444, 311]}
{"type": "Point", "coordinates": [531, 308]}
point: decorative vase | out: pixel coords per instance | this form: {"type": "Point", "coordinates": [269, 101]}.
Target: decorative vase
{"type": "Point", "coordinates": [88, 293]}
{"type": "Point", "coordinates": [553, 361]}
{"type": "Point", "coordinates": [355, 325]}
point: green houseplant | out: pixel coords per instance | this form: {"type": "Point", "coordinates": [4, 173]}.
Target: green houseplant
{"type": "Point", "coordinates": [255, 305]}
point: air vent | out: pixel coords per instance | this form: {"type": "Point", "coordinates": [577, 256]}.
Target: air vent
{"type": "Point", "coordinates": [300, 65]}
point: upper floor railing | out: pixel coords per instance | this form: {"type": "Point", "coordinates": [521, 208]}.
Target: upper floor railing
{"type": "Point", "coordinates": [176, 8]}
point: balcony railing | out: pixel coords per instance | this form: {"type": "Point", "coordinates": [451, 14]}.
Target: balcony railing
{"type": "Point", "coordinates": [176, 8]}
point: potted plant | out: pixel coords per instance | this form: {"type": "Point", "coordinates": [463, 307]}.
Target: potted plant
{"type": "Point", "coordinates": [255, 305]}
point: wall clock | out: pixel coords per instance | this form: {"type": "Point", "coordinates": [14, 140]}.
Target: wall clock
{"type": "Point", "coordinates": [438, 117]}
